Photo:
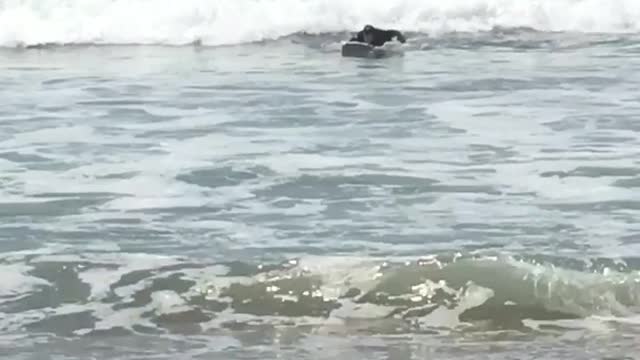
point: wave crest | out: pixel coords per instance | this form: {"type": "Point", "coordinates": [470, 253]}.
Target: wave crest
{"type": "Point", "coordinates": [225, 22]}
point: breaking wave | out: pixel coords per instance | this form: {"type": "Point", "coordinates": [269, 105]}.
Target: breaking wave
{"type": "Point", "coordinates": [224, 22]}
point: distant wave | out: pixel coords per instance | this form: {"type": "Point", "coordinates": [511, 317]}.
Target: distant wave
{"type": "Point", "coordinates": [225, 22]}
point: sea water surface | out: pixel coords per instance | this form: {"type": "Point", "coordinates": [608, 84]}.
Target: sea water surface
{"type": "Point", "coordinates": [474, 196]}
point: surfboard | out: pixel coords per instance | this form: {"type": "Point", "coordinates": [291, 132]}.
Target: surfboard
{"type": "Point", "coordinates": [362, 50]}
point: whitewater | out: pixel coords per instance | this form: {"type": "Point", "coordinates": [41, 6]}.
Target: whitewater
{"type": "Point", "coordinates": [212, 180]}
{"type": "Point", "coordinates": [227, 22]}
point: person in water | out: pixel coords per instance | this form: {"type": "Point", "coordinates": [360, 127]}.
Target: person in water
{"type": "Point", "coordinates": [377, 37]}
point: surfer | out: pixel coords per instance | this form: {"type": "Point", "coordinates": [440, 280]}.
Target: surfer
{"type": "Point", "coordinates": [377, 37]}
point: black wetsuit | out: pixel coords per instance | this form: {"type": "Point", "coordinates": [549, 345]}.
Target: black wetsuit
{"type": "Point", "coordinates": [377, 37]}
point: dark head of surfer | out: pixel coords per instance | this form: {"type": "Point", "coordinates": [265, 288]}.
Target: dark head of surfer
{"type": "Point", "coordinates": [377, 37]}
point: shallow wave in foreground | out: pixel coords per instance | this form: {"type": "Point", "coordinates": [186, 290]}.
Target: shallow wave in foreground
{"type": "Point", "coordinates": [77, 295]}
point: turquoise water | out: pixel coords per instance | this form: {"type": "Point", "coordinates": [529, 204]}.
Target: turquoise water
{"type": "Point", "coordinates": [476, 196]}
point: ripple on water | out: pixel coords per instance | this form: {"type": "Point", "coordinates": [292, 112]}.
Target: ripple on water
{"type": "Point", "coordinates": [594, 172]}
{"type": "Point", "coordinates": [223, 176]}
{"type": "Point", "coordinates": [53, 208]}
{"type": "Point", "coordinates": [18, 157]}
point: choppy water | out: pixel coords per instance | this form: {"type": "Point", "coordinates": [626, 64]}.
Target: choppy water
{"type": "Point", "coordinates": [474, 198]}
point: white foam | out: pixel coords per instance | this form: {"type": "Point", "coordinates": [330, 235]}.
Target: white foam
{"type": "Point", "coordinates": [351, 311]}
{"type": "Point", "coordinates": [166, 302]}
{"type": "Point", "coordinates": [16, 282]}
{"type": "Point", "coordinates": [449, 318]}
{"type": "Point", "coordinates": [236, 21]}
{"type": "Point", "coordinates": [124, 318]}
{"type": "Point", "coordinates": [101, 279]}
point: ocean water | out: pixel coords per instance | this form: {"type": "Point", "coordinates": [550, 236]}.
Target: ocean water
{"type": "Point", "coordinates": [212, 180]}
